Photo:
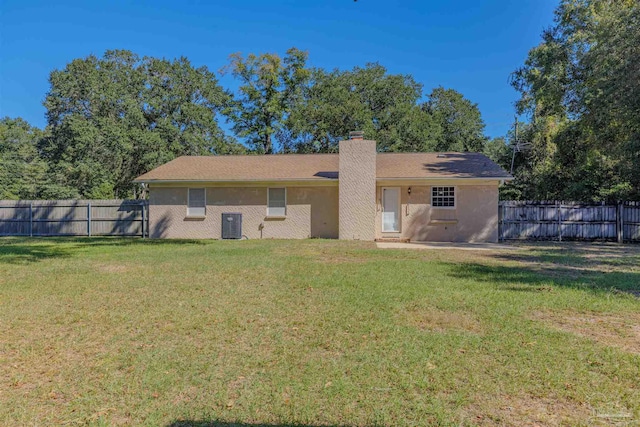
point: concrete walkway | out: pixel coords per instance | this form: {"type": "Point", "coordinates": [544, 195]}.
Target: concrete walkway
{"type": "Point", "coordinates": [447, 245]}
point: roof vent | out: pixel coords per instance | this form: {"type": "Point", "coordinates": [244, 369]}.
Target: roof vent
{"type": "Point", "coordinates": [441, 156]}
{"type": "Point", "coordinates": [357, 134]}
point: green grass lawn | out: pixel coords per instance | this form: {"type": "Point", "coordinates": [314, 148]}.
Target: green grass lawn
{"type": "Point", "coordinates": [316, 333]}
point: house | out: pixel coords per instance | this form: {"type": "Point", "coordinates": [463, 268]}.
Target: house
{"type": "Point", "coordinates": [356, 194]}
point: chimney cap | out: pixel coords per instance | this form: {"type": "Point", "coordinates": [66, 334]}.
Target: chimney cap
{"type": "Point", "coordinates": [356, 134]}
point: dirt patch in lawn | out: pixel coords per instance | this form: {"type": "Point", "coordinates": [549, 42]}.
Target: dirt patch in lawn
{"type": "Point", "coordinates": [342, 259]}
{"type": "Point", "coordinates": [577, 258]}
{"type": "Point", "coordinates": [530, 411]}
{"type": "Point", "coordinates": [437, 320]}
{"type": "Point", "coordinates": [617, 330]}
{"type": "Point", "coordinates": [328, 255]}
{"type": "Point", "coordinates": [112, 268]}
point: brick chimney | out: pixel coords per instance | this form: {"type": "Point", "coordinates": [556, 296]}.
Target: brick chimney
{"type": "Point", "coordinates": [357, 188]}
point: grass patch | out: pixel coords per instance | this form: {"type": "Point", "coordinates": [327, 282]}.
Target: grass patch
{"type": "Point", "coordinates": [100, 331]}
{"type": "Point", "coordinates": [617, 330]}
{"type": "Point", "coordinates": [429, 318]}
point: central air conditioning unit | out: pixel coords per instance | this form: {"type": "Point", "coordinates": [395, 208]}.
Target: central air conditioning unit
{"type": "Point", "coordinates": [231, 225]}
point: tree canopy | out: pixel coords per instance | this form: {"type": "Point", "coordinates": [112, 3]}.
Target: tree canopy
{"type": "Point", "coordinates": [24, 174]}
{"type": "Point", "coordinates": [112, 118]}
{"type": "Point", "coordinates": [383, 105]}
{"type": "Point", "coordinates": [269, 87]}
{"type": "Point", "coordinates": [460, 122]}
{"type": "Point", "coordinates": [580, 88]}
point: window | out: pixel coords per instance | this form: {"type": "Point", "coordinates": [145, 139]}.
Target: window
{"type": "Point", "coordinates": [197, 203]}
{"type": "Point", "coordinates": [277, 202]}
{"type": "Point", "coordinates": [443, 197]}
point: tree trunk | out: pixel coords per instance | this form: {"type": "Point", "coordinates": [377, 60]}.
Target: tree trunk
{"type": "Point", "coordinates": [268, 148]}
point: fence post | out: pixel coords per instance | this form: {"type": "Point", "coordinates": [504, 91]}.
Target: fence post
{"type": "Point", "coordinates": [144, 208]}
{"type": "Point", "coordinates": [620, 222]}
{"type": "Point", "coordinates": [500, 218]}
{"type": "Point", "coordinates": [88, 218]}
{"type": "Point", "coordinates": [559, 221]}
{"type": "Point", "coordinates": [31, 219]}
{"type": "Point", "coordinates": [603, 215]}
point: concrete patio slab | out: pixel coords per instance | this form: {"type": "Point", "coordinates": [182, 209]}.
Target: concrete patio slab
{"type": "Point", "coordinates": [447, 245]}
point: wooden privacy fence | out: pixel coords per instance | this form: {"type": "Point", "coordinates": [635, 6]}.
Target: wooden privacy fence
{"type": "Point", "coordinates": [546, 220]}
{"type": "Point", "coordinates": [74, 218]}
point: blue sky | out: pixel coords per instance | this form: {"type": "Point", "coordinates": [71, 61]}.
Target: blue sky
{"type": "Point", "coordinates": [468, 45]}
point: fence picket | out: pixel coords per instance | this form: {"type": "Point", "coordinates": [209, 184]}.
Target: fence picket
{"type": "Point", "coordinates": [73, 218]}
{"type": "Point", "coordinates": [561, 220]}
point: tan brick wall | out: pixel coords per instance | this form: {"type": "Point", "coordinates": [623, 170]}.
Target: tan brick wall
{"type": "Point", "coordinates": [474, 219]}
{"type": "Point", "coordinates": [311, 212]}
{"type": "Point", "coordinates": [357, 183]}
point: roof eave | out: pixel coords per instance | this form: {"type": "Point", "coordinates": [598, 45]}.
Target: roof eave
{"type": "Point", "coordinates": [430, 178]}
{"type": "Point", "coordinates": [239, 181]}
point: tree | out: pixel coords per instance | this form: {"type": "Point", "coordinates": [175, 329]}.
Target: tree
{"type": "Point", "coordinates": [21, 168]}
{"type": "Point", "coordinates": [499, 150]}
{"type": "Point", "coordinates": [23, 173]}
{"type": "Point", "coordinates": [581, 90]}
{"type": "Point", "coordinates": [382, 105]}
{"type": "Point", "coordinates": [114, 118]}
{"type": "Point", "coordinates": [460, 120]}
{"type": "Point", "coordinates": [270, 85]}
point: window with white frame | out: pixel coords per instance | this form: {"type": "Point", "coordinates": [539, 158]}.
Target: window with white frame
{"type": "Point", "coordinates": [277, 202]}
{"type": "Point", "coordinates": [197, 203]}
{"type": "Point", "coordinates": [443, 197]}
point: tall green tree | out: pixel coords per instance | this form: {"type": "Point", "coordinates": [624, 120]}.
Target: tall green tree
{"type": "Point", "coordinates": [23, 172]}
{"type": "Point", "coordinates": [460, 121]}
{"type": "Point", "coordinates": [581, 89]}
{"type": "Point", "coordinates": [499, 150]}
{"type": "Point", "coordinates": [115, 117]}
{"type": "Point", "coordinates": [269, 87]}
{"type": "Point", "coordinates": [21, 168]}
{"type": "Point", "coordinates": [368, 98]}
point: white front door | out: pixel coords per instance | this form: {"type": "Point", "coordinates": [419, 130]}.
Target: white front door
{"type": "Point", "coordinates": [390, 209]}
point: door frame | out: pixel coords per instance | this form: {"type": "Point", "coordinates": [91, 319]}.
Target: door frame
{"type": "Point", "coordinates": [398, 209]}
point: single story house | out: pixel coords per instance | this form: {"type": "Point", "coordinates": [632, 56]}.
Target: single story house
{"type": "Point", "coordinates": [356, 194]}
